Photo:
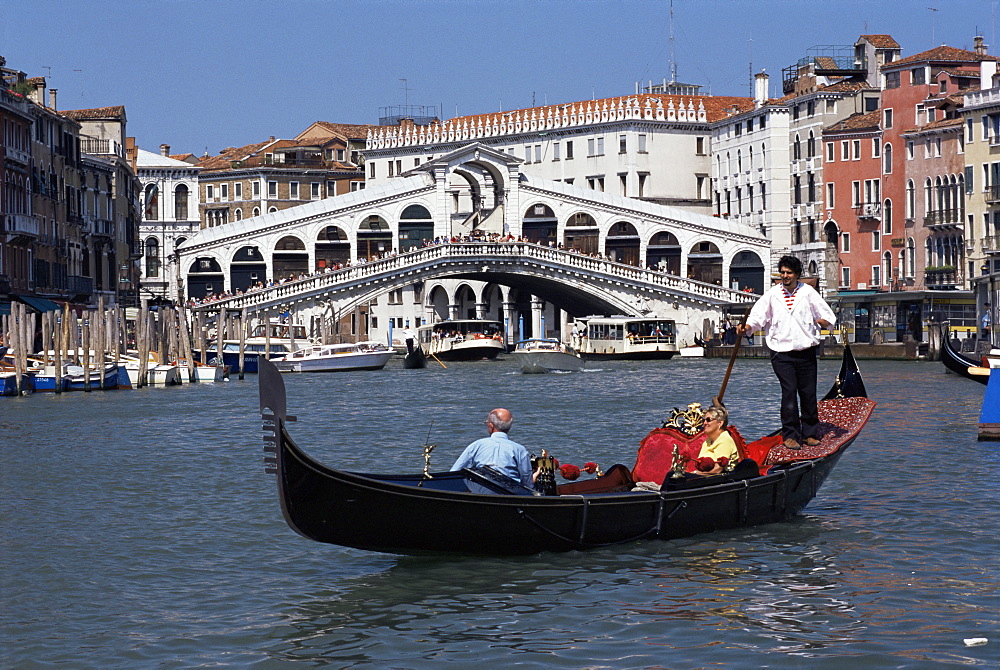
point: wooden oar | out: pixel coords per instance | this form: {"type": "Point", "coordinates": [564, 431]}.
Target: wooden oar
{"type": "Point", "coordinates": [437, 359]}
{"type": "Point", "coordinates": [717, 400]}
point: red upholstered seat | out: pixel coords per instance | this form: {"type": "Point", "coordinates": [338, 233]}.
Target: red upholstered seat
{"type": "Point", "coordinates": [656, 452]}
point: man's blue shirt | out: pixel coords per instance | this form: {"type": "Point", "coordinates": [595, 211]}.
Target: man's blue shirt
{"type": "Point", "coordinates": [501, 453]}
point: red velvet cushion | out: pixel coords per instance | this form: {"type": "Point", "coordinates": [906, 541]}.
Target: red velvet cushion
{"type": "Point", "coordinates": [656, 453]}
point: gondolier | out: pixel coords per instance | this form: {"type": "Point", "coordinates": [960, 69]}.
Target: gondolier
{"type": "Point", "coordinates": [793, 313]}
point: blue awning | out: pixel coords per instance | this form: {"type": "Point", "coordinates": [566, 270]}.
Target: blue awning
{"type": "Point", "coordinates": [4, 309]}
{"type": "Point", "coordinates": [40, 304]}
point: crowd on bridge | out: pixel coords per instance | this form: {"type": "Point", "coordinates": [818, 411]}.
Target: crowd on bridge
{"type": "Point", "coordinates": [492, 238]}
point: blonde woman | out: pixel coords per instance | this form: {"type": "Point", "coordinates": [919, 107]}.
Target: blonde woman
{"type": "Point", "coordinates": [718, 442]}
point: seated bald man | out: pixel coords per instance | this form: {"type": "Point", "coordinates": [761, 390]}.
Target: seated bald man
{"type": "Point", "coordinates": [498, 450]}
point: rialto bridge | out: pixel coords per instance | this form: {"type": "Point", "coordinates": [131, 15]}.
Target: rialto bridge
{"type": "Point", "coordinates": [536, 252]}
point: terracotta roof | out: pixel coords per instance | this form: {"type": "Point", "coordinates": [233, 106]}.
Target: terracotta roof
{"type": "Point", "coordinates": [353, 131]}
{"type": "Point", "coordinates": [941, 54]}
{"type": "Point", "coordinates": [716, 107]}
{"type": "Point", "coordinates": [115, 112]}
{"type": "Point", "coordinates": [849, 85]}
{"type": "Point", "coordinates": [854, 122]}
{"type": "Point", "coordinates": [961, 71]}
{"type": "Point", "coordinates": [34, 80]}
{"type": "Point", "coordinates": [882, 41]}
{"type": "Point", "coordinates": [182, 157]}
{"type": "Point", "coordinates": [942, 123]}
{"type": "Point", "coordinates": [228, 155]}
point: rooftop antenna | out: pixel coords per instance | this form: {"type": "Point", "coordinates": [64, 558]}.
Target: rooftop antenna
{"type": "Point", "coordinates": [750, 65]}
{"type": "Point", "coordinates": [933, 24]}
{"type": "Point", "coordinates": [81, 82]}
{"type": "Point", "coordinates": [46, 67]}
{"type": "Point", "coordinates": [406, 93]}
{"type": "Point", "coordinates": [673, 63]}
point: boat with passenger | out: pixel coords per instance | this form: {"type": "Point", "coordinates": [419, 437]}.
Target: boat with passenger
{"type": "Point", "coordinates": [275, 338]}
{"type": "Point", "coordinates": [624, 338]}
{"type": "Point", "coordinates": [538, 356]}
{"type": "Point", "coordinates": [970, 368]}
{"type": "Point", "coordinates": [462, 339]}
{"type": "Point", "coordinates": [336, 358]}
{"type": "Point", "coordinates": [480, 511]}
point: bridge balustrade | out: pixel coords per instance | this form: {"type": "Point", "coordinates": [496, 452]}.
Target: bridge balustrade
{"type": "Point", "coordinates": [359, 272]}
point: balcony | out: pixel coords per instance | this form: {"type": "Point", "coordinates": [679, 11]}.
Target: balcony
{"type": "Point", "coordinates": [992, 194]}
{"type": "Point", "coordinates": [941, 277]}
{"type": "Point", "coordinates": [991, 244]}
{"type": "Point", "coordinates": [17, 156]}
{"type": "Point", "coordinates": [943, 218]}
{"type": "Point", "coordinates": [22, 224]}
{"type": "Point", "coordinates": [869, 210]}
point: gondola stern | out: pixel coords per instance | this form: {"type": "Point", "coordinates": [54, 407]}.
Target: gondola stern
{"type": "Point", "coordinates": [849, 383]}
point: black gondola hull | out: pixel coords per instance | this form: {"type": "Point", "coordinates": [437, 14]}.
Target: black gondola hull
{"type": "Point", "coordinates": [410, 514]}
{"type": "Point", "coordinates": [958, 363]}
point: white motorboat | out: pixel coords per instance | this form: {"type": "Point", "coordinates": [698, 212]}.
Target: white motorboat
{"type": "Point", "coordinates": [538, 356]}
{"type": "Point", "coordinates": [624, 338]}
{"type": "Point", "coordinates": [336, 358]}
{"type": "Point", "coordinates": [462, 339]}
{"type": "Point", "coordinates": [202, 372]}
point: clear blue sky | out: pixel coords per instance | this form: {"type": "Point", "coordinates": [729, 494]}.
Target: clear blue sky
{"type": "Point", "coordinates": [200, 74]}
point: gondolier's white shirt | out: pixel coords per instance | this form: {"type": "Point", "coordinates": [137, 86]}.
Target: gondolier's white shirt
{"type": "Point", "coordinates": [793, 330]}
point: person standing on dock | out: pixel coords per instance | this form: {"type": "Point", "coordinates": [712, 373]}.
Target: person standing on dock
{"type": "Point", "coordinates": [793, 313]}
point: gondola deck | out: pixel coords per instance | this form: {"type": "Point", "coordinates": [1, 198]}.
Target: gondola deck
{"type": "Point", "coordinates": [411, 514]}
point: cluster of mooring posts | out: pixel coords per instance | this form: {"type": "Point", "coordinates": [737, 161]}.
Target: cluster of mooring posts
{"type": "Point", "coordinates": [108, 348]}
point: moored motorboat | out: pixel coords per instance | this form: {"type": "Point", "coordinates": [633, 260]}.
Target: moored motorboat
{"type": "Point", "coordinates": [462, 339]}
{"type": "Point", "coordinates": [274, 339]}
{"type": "Point", "coordinates": [336, 358]}
{"type": "Point", "coordinates": [438, 512]}
{"type": "Point", "coordinates": [537, 356]}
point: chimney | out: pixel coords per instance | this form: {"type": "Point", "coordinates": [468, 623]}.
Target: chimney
{"type": "Point", "coordinates": [164, 149]}
{"type": "Point", "coordinates": [52, 98]}
{"type": "Point", "coordinates": [760, 85]}
{"type": "Point", "coordinates": [979, 48]}
{"type": "Point", "coordinates": [38, 95]}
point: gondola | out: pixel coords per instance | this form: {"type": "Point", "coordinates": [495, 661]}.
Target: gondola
{"type": "Point", "coordinates": [414, 359]}
{"type": "Point", "coordinates": [438, 513]}
{"type": "Point", "coordinates": [962, 365]}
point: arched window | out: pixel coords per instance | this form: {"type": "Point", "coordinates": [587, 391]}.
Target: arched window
{"type": "Point", "coordinates": [811, 146]}
{"type": "Point", "coordinates": [152, 257]}
{"type": "Point", "coordinates": [887, 217]}
{"type": "Point", "coordinates": [887, 267]}
{"type": "Point", "coordinates": [256, 211]}
{"type": "Point", "coordinates": [181, 203]}
{"type": "Point", "coordinates": [238, 214]}
{"type": "Point", "coordinates": [887, 159]}
{"type": "Point", "coordinates": [911, 203]}
{"type": "Point", "coordinates": [152, 198]}
{"type": "Point", "coordinates": [911, 256]}
{"type": "Point", "coordinates": [272, 210]}
{"type": "Point", "coordinates": [797, 148]}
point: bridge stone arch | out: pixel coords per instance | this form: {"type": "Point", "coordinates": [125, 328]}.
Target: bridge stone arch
{"type": "Point", "coordinates": [746, 270]}
{"type": "Point", "coordinates": [582, 232]}
{"type": "Point", "coordinates": [331, 244]}
{"type": "Point", "coordinates": [663, 252]}
{"type": "Point", "coordinates": [373, 235]}
{"type": "Point", "coordinates": [290, 256]}
{"type": "Point", "coordinates": [705, 262]}
{"type": "Point", "coordinates": [205, 275]}
{"type": "Point", "coordinates": [415, 226]}
{"type": "Point", "coordinates": [623, 243]}
{"type": "Point", "coordinates": [540, 224]}
{"type": "Point", "coordinates": [247, 267]}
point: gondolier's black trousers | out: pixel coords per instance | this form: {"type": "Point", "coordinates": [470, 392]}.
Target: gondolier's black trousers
{"type": "Point", "coordinates": [796, 372]}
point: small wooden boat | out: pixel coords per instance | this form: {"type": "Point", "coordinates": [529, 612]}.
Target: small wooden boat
{"type": "Point", "coordinates": [962, 365]}
{"type": "Point", "coordinates": [414, 358]}
{"type": "Point", "coordinates": [439, 513]}
{"type": "Point", "coordinates": [336, 358]}
{"type": "Point", "coordinates": [538, 356]}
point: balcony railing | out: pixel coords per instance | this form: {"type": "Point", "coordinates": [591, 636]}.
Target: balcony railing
{"type": "Point", "coordinates": [869, 210]}
{"type": "Point", "coordinates": [80, 285]}
{"type": "Point", "coordinates": [22, 224]}
{"type": "Point", "coordinates": [991, 244]}
{"type": "Point", "coordinates": [942, 278]}
{"type": "Point", "coordinates": [941, 217]}
{"type": "Point", "coordinates": [992, 193]}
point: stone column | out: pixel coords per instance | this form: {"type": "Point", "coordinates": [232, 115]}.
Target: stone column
{"type": "Point", "coordinates": [480, 310]}
{"type": "Point", "coordinates": [537, 317]}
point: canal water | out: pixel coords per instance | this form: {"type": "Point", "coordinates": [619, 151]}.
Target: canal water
{"type": "Point", "coordinates": [139, 529]}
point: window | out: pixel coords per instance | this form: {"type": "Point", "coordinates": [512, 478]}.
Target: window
{"type": "Point", "coordinates": [224, 189]}
{"type": "Point", "coordinates": [314, 190]}
{"type": "Point", "coordinates": [969, 130]}
{"type": "Point", "coordinates": [738, 129]}
{"type": "Point", "coordinates": [887, 118]}
{"type": "Point", "coordinates": [371, 170]}
{"type": "Point", "coordinates": [845, 151]}
{"type": "Point", "coordinates": [600, 146]}
{"type": "Point", "coordinates": [855, 194]}
{"type": "Point", "coordinates": [239, 214]}
{"type": "Point", "coordinates": [699, 145]}
{"type": "Point", "coordinates": [876, 148]}
{"type": "Point", "coordinates": [845, 276]}
{"type": "Point", "coordinates": [391, 169]}
{"type": "Point", "coordinates": [830, 152]}
{"type": "Point", "coordinates": [845, 242]}
{"type": "Point", "coordinates": [538, 153]}
{"type": "Point", "coordinates": [622, 144]}
{"type": "Point", "coordinates": [238, 190]}
{"type": "Point", "coordinates": [876, 241]}
{"type": "Point", "coordinates": [209, 193]}
{"type": "Point", "coordinates": [340, 155]}
{"type": "Point", "coordinates": [943, 86]}
{"type": "Point", "coordinates": [272, 189]}
{"type": "Point", "coordinates": [527, 153]}
{"type": "Point", "coordinates": [968, 179]}
{"type": "Point", "coordinates": [887, 218]}
{"type": "Point", "coordinates": [181, 203]}
{"type": "Point", "coordinates": [555, 151]}
{"type": "Point", "coordinates": [569, 150]}
{"type": "Point", "coordinates": [909, 150]}
{"type": "Point", "coordinates": [876, 275]}
{"type": "Point", "coordinates": [887, 159]}
{"type": "Point", "coordinates": [829, 195]}
{"type": "Point", "coordinates": [255, 189]}
{"type": "Point", "coordinates": [857, 150]}
{"type": "Point", "coordinates": [918, 76]}
{"type": "Point", "coordinates": [892, 80]}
